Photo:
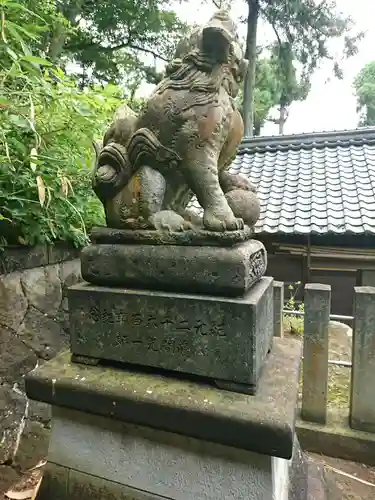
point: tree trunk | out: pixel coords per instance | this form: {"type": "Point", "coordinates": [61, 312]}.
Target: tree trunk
{"type": "Point", "coordinates": [256, 129]}
{"type": "Point", "coordinates": [251, 53]}
{"type": "Point", "coordinates": [282, 118]}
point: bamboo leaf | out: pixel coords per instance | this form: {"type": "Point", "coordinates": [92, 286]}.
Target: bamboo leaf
{"type": "Point", "coordinates": [12, 54]}
{"type": "Point", "coordinates": [33, 158]}
{"type": "Point", "coordinates": [64, 185]}
{"type": "Point", "coordinates": [41, 190]}
{"type": "Point", "coordinates": [16, 28]}
{"type": "Point", "coordinates": [32, 111]}
{"type": "Point", "coordinates": [3, 26]}
{"type": "Point", "coordinates": [16, 5]}
{"type": "Point", "coordinates": [36, 60]}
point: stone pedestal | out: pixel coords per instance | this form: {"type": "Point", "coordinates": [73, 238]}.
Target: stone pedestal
{"type": "Point", "coordinates": [221, 271]}
{"type": "Point", "coordinates": [192, 302]}
{"type": "Point", "coordinates": [225, 339]}
{"type": "Point", "coordinates": [126, 435]}
{"type": "Point", "coordinates": [136, 414]}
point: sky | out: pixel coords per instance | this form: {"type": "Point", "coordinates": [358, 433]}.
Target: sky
{"type": "Point", "coordinates": [331, 104]}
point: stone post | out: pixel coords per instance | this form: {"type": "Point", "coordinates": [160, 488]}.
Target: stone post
{"type": "Point", "coordinates": [315, 351]}
{"type": "Point", "coordinates": [362, 397]}
{"type": "Point", "coordinates": [278, 305]}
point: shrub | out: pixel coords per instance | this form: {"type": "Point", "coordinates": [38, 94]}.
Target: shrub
{"type": "Point", "coordinates": [292, 323]}
{"type": "Point", "coordinates": [47, 126]}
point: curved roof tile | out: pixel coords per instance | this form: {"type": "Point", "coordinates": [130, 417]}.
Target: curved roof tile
{"type": "Point", "coordinates": [312, 183]}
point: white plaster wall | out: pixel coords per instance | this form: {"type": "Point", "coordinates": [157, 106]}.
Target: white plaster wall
{"type": "Point", "coordinates": [158, 462]}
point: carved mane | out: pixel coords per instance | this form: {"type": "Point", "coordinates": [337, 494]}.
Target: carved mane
{"type": "Point", "coordinates": [197, 73]}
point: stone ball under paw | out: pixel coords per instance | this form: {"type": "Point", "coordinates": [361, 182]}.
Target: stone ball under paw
{"type": "Point", "coordinates": [245, 205]}
{"type": "Point", "coordinates": [168, 220]}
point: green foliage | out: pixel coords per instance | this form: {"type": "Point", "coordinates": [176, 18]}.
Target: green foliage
{"type": "Point", "coordinates": [266, 92]}
{"type": "Point", "coordinates": [364, 85]}
{"type": "Point", "coordinates": [293, 323]}
{"type": "Point", "coordinates": [276, 83]}
{"type": "Point", "coordinates": [306, 27]}
{"type": "Point", "coordinates": [46, 130]}
{"type": "Point", "coordinates": [112, 38]}
{"type": "Point", "coordinates": [291, 87]}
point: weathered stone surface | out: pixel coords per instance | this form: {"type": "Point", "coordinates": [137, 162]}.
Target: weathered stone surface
{"type": "Point", "coordinates": [362, 411]}
{"type": "Point", "coordinates": [321, 483]}
{"type": "Point", "coordinates": [33, 445]}
{"type": "Point", "coordinates": [77, 479]}
{"type": "Point", "coordinates": [8, 477]}
{"type": "Point", "coordinates": [16, 358]}
{"type": "Point", "coordinates": [42, 334]}
{"type": "Point", "coordinates": [62, 316]}
{"type": "Point", "coordinates": [20, 258]}
{"type": "Point", "coordinates": [26, 334]}
{"type": "Point", "coordinates": [42, 288]}
{"type": "Point", "coordinates": [178, 136]}
{"type": "Point", "coordinates": [298, 471]}
{"type": "Point", "coordinates": [70, 272]}
{"type": "Point", "coordinates": [13, 303]}
{"type": "Point", "coordinates": [278, 306]}
{"type": "Point", "coordinates": [337, 439]}
{"type": "Point", "coordinates": [106, 235]}
{"type": "Point", "coordinates": [39, 412]}
{"type": "Point", "coordinates": [62, 253]}
{"type": "Point", "coordinates": [172, 466]}
{"type": "Point", "coordinates": [13, 407]}
{"type": "Point", "coordinates": [85, 487]}
{"type": "Point", "coordinates": [220, 338]}
{"type": "Point", "coordinates": [263, 423]}
{"type": "Point", "coordinates": [189, 269]}
{"type": "Point", "coordinates": [317, 299]}
{"type": "Point", "coordinates": [55, 483]}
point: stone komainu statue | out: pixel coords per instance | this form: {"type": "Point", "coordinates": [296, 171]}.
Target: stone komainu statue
{"type": "Point", "coordinates": [149, 167]}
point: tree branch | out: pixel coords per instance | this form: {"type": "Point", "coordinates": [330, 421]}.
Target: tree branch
{"type": "Point", "coordinates": [148, 51]}
{"type": "Point", "coordinates": [267, 17]}
{"type": "Point", "coordinates": [124, 45]}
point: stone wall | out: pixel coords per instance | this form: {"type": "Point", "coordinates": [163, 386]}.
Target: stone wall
{"type": "Point", "coordinates": [33, 328]}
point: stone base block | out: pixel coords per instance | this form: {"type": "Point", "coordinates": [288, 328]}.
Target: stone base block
{"type": "Point", "coordinates": [96, 457]}
{"type": "Point", "coordinates": [120, 435]}
{"type": "Point", "coordinates": [263, 423]}
{"type": "Point", "coordinates": [195, 237]}
{"type": "Point", "coordinates": [185, 269]}
{"type": "Point", "coordinates": [219, 338]}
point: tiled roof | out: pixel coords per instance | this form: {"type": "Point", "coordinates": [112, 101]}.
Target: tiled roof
{"type": "Point", "coordinates": [312, 183]}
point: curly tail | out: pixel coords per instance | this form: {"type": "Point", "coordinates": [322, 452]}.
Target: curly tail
{"type": "Point", "coordinates": [116, 164]}
{"type": "Point", "coordinates": [145, 149]}
{"type": "Point", "coordinates": [112, 171]}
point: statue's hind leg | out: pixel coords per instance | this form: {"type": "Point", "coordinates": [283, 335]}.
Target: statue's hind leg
{"type": "Point", "coordinates": [201, 174]}
{"type": "Point", "coordinates": [152, 191]}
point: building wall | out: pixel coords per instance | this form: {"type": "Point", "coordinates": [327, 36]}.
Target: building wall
{"type": "Point", "coordinates": [342, 288]}
{"type": "Point", "coordinates": [293, 269]}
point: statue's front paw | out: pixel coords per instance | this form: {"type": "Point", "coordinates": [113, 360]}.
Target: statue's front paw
{"type": "Point", "coordinates": [167, 220]}
{"type": "Point", "coordinates": [221, 222]}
